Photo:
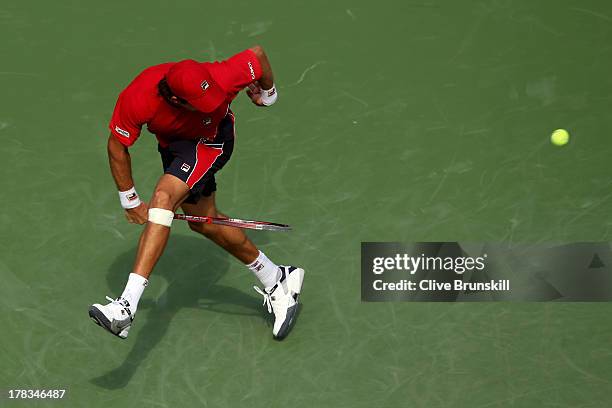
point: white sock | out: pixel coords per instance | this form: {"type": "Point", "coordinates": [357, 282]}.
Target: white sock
{"type": "Point", "coordinates": [133, 290]}
{"type": "Point", "coordinates": [266, 271]}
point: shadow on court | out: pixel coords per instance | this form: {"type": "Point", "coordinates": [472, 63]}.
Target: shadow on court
{"type": "Point", "coordinates": [191, 266]}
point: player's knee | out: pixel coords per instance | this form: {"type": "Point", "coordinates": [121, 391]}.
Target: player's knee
{"type": "Point", "coordinates": [196, 227]}
{"type": "Point", "coordinates": [208, 230]}
{"type": "Point", "coordinates": [161, 199]}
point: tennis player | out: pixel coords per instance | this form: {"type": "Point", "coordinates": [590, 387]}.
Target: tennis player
{"type": "Point", "coordinates": [186, 105]}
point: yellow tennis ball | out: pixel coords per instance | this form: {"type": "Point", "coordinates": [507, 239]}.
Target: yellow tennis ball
{"type": "Point", "coordinates": [559, 137]}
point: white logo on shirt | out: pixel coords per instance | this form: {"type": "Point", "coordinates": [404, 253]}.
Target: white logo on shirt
{"type": "Point", "coordinates": [251, 69]}
{"type": "Point", "coordinates": [122, 132]}
{"type": "Point", "coordinates": [185, 167]}
{"type": "Point", "coordinates": [207, 121]}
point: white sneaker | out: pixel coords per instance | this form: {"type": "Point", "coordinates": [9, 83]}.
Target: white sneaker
{"type": "Point", "coordinates": [282, 299]}
{"type": "Point", "coordinates": [115, 317]}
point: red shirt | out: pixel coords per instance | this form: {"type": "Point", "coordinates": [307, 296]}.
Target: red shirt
{"type": "Point", "coordinates": [140, 103]}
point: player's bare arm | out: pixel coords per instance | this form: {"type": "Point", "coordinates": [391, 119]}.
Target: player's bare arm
{"type": "Point", "coordinates": [267, 77]}
{"type": "Point", "coordinates": [121, 168]}
{"type": "Point", "coordinates": [262, 92]}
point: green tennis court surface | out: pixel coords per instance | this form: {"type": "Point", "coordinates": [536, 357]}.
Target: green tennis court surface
{"type": "Point", "coordinates": [396, 121]}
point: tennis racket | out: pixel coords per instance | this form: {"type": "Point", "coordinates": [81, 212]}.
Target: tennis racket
{"type": "Point", "coordinates": [235, 222]}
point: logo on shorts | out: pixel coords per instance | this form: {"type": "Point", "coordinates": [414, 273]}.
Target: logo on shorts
{"type": "Point", "coordinates": [204, 85]}
{"type": "Point", "coordinates": [122, 132]}
{"type": "Point", "coordinates": [251, 69]}
{"type": "Point", "coordinates": [207, 121]}
{"type": "Point", "coordinates": [185, 167]}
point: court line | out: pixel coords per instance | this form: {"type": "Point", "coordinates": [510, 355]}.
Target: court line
{"type": "Point", "coordinates": [19, 73]}
{"type": "Point", "coordinates": [353, 97]}
{"type": "Point", "coordinates": [592, 13]}
{"type": "Point", "coordinates": [310, 68]}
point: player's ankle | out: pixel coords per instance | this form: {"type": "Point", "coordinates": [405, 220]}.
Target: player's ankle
{"type": "Point", "coordinates": [133, 290]}
{"type": "Point", "coordinates": [265, 270]}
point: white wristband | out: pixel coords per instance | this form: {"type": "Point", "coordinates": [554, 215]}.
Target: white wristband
{"type": "Point", "coordinates": [268, 97]}
{"type": "Point", "coordinates": [129, 199]}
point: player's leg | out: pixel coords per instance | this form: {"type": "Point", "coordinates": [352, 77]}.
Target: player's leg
{"type": "Point", "coordinates": [168, 195]}
{"type": "Point", "coordinates": [117, 316]}
{"type": "Point", "coordinates": [282, 284]}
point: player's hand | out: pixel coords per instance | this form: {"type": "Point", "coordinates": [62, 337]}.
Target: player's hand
{"type": "Point", "coordinates": [254, 92]}
{"type": "Point", "coordinates": [138, 215]}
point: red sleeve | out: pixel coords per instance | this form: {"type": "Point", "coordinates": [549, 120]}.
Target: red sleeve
{"type": "Point", "coordinates": [125, 124]}
{"type": "Point", "coordinates": [236, 72]}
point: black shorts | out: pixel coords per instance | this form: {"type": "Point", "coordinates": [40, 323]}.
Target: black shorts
{"type": "Point", "coordinates": [196, 161]}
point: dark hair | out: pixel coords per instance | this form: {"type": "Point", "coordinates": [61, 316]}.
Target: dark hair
{"type": "Point", "coordinates": [165, 92]}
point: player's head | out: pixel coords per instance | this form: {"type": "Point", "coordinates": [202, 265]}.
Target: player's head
{"type": "Point", "coordinates": [193, 87]}
{"type": "Point", "coordinates": [165, 91]}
